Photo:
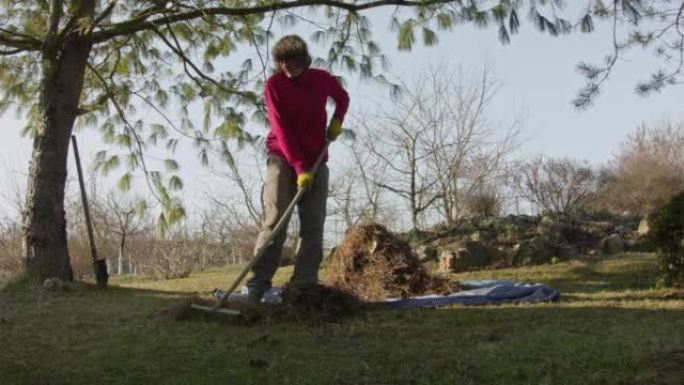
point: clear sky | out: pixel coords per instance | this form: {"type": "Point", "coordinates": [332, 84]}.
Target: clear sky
{"type": "Point", "coordinates": [539, 78]}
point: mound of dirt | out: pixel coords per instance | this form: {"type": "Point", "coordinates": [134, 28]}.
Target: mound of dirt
{"type": "Point", "coordinates": [311, 303]}
{"type": "Point", "coordinates": [314, 302]}
{"type": "Point", "coordinates": [371, 263]}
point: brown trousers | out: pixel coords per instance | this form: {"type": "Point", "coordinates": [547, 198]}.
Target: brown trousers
{"type": "Point", "coordinates": [280, 188]}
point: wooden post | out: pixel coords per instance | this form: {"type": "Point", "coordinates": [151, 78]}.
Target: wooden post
{"type": "Point", "coordinates": [99, 266]}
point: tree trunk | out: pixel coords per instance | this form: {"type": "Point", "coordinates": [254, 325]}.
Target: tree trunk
{"type": "Point", "coordinates": [131, 270]}
{"type": "Point", "coordinates": [122, 249]}
{"type": "Point", "coordinates": [44, 229]}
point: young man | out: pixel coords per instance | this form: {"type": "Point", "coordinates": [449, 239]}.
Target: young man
{"type": "Point", "coordinates": [296, 98]}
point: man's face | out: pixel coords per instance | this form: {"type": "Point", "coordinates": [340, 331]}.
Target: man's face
{"type": "Point", "coordinates": [291, 68]}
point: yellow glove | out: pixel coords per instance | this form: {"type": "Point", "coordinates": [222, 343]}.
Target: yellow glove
{"type": "Point", "coordinates": [305, 179]}
{"type": "Point", "coordinates": [334, 129]}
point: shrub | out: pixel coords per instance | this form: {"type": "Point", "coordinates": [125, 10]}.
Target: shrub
{"type": "Point", "coordinates": [484, 202]}
{"type": "Point", "coordinates": [174, 258]}
{"type": "Point", "coordinates": [10, 249]}
{"type": "Point", "coordinates": [557, 186]}
{"type": "Point", "coordinates": [647, 170]}
{"type": "Point", "coordinates": [667, 235]}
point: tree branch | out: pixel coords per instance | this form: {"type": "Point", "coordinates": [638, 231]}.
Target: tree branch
{"type": "Point", "coordinates": [106, 12]}
{"type": "Point", "coordinates": [141, 24]}
{"type": "Point", "coordinates": [178, 51]}
{"type": "Point", "coordinates": [12, 51]}
{"type": "Point", "coordinates": [128, 127]}
{"type": "Point", "coordinates": [401, 193]}
{"type": "Point", "coordinates": [17, 40]}
{"type": "Point", "coordinates": [591, 90]}
{"type": "Point", "coordinates": [165, 117]}
{"type": "Point", "coordinates": [422, 207]}
{"type": "Point", "coordinates": [55, 17]}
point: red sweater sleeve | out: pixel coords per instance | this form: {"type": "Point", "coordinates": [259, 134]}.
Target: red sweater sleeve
{"type": "Point", "coordinates": [284, 133]}
{"type": "Point", "coordinates": [340, 97]}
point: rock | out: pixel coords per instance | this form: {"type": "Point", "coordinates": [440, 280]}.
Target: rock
{"type": "Point", "coordinates": [622, 231]}
{"type": "Point", "coordinates": [565, 252]}
{"type": "Point", "coordinates": [612, 244]}
{"type": "Point", "coordinates": [481, 255]}
{"type": "Point", "coordinates": [483, 236]}
{"type": "Point", "coordinates": [549, 229]}
{"type": "Point", "coordinates": [447, 259]}
{"type": "Point", "coordinates": [632, 245]}
{"type": "Point", "coordinates": [533, 251]}
{"type": "Point", "coordinates": [461, 260]}
{"type": "Point", "coordinates": [426, 253]}
{"type": "Point", "coordinates": [644, 228]}
{"type": "Point", "coordinates": [478, 255]}
{"type": "Point", "coordinates": [470, 255]}
{"type": "Point", "coordinates": [54, 284]}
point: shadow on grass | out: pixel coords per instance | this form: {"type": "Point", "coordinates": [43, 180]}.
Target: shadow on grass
{"type": "Point", "coordinates": [623, 273]}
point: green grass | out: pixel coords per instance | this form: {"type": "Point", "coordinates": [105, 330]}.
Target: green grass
{"type": "Point", "coordinates": [610, 327]}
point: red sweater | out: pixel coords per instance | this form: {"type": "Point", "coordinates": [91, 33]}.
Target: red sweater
{"type": "Point", "coordinates": [296, 112]}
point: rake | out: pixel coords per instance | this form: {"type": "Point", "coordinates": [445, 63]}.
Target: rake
{"type": "Point", "coordinates": [222, 296]}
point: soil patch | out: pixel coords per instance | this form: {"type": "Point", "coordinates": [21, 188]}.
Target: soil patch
{"type": "Point", "coordinates": [311, 304]}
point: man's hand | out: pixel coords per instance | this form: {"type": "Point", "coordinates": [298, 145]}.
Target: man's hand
{"type": "Point", "coordinates": [334, 129]}
{"type": "Point", "coordinates": [305, 179]}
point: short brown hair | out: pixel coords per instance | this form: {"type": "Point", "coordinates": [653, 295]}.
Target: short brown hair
{"type": "Point", "coordinates": [292, 47]}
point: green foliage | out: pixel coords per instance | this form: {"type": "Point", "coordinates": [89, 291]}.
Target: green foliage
{"type": "Point", "coordinates": [125, 182]}
{"type": "Point", "coordinates": [154, 63]}
{"type": "Point", "coordinates": [406, 36]}
{"type": "Point", "coordinates": [667, 235]}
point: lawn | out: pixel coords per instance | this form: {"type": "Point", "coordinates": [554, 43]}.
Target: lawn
{"type": "Point", "coordinates": [610, 327]}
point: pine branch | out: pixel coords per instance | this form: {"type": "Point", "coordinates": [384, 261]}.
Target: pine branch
{"type": "Point", "coordinates": [17, 40]}
{"type": "Point", "coordinates": [165, 117]}
{"type": "Point", "coordinates": [88, 108]}
{"type": "Point", "coordinates": [12, 51]}
{"type": "Point", "coordinates": [128, 128]}
{"type": "Point", "coordinates": [141, 23]}
{"type": "Point", "coordinates": [186, 61]}
{"type": "Point", "coordinates": [591, 90]}
{"type": "Point", "coordinates": [106, 12]}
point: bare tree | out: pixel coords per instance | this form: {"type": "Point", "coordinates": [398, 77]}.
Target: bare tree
{"type": "Point", "coordinates": [398, 139]}
{"type": "Point", "coordinates": [10, 245]}
{"type": "Point", "coordinates": [437, 145]}
{"type": "Point", "coordinates": [244, 174]}
{"type": "Point", "coordinates": [647, 171]}
{"type": "Point", "coordinates": [124, 218]}
{"type": "Point", "coordinates": [233, 217]}
{"type": "Point", "coordinates": [561, 186]}
{"type": "Point", "coordinates": [11, 192]}
{"type": "Point", "coordinates": [357, 194]}
{"type": "Point", "coordinates": [174, 257]}
{"type": "Point", "coordinates": [11, 206]}
{"type": "Point", "coordinates": [470, 151]}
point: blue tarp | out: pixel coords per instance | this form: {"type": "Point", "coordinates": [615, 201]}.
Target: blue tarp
{"type": "Point", "coordinates": [475, 292]}
{"type": "Point", "coordinates": [482, 292]}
